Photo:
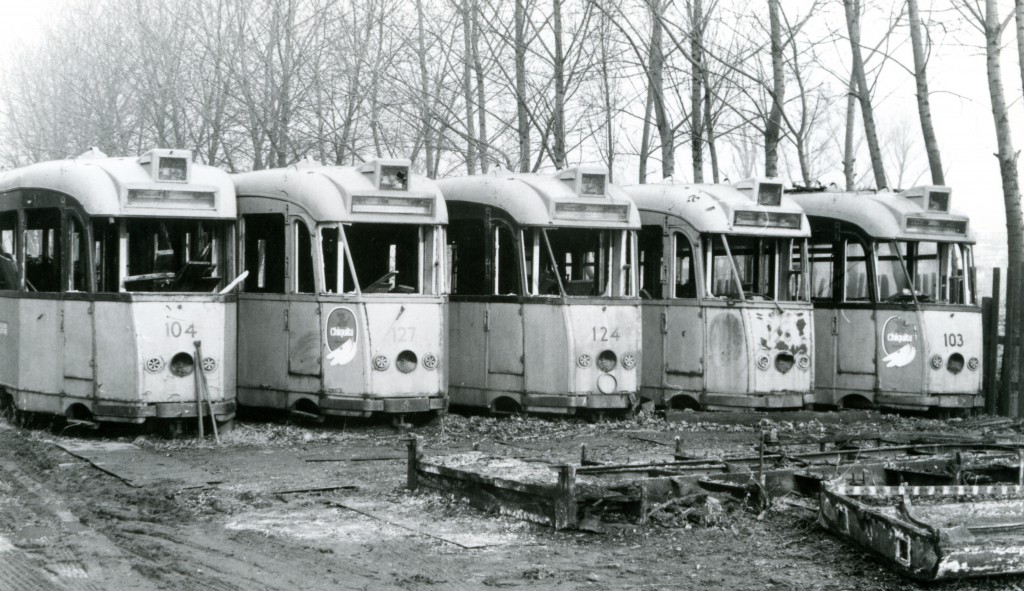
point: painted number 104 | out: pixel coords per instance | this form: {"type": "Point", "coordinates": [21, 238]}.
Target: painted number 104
{"type": "Point", "coordinates": [176, 329]}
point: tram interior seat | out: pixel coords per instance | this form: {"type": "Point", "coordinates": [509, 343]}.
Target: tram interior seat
{"type": "Point", "coordinates": [822, 290]}
{"type": "Point", "coordinates": [40, 273]}
{"type": "Point", "coordinates": [194, 277]}
{"type": "Point", "coordinates": [686, 290]}
{"type": "Point", "coordinates": [8, 272]}
{"type": "Point", "coordinates": [580, 287]}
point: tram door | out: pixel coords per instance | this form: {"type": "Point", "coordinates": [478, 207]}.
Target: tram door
{"type": "Point", "coordinates": [682, 324]}
{"type": "Point", "coordinates": [263, 307]}
{"type": "Point", "coordinates": [504, 314]}
{"type": "Point", "coordinates": [77, 322]}
{"type": "Point", "coordinates": [304, 348]}
{"type": "Point", "coordinates": [853, 323]}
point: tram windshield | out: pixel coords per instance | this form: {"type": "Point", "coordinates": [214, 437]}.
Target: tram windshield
{"type": "Point", "coordinates": [578, 261]}
{"type": "Point", "coordinates": [755, 267]}
{"type": "Point", "coordinates": [924, 271]}
{"type": "Point", "coordinates": [163, 255]}
{"type": "Point", "coordinates": [382, 258]}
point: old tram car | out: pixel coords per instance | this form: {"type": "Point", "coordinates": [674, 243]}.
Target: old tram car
{"type": "Point", "coordinates": [897, 319]}
{"type": "Point", "coordinates": [343, 311]}
{"type": "Point", "coordinates": [544, 310]}
{"type": "Point", "coordinates": [726, 310]}
{"type": "Point", "coordinates": [109, 288]}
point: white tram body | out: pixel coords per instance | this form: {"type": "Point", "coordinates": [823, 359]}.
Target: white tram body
{"type": "Point", "coordinates": [726, 311]}
{"type": "Point", "coordinates": [544, 310]}
{"type": "Point", "coordinates": [343, 312]}
{"type": "Point", "coordinates": [896, 309]}
{"type": "Point", "coordinates": [109, 274]}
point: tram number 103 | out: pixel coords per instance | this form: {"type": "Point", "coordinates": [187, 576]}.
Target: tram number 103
{"type": "Point", "coordinates": [954, 339]}
{"type": "Point", "coordinates": [603, 334]}
{"type": "Point", "coordinates": [176, 329]}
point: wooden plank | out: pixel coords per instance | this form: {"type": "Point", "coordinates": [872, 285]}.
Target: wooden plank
{"type": "Point", "coordinates": [138, 467]}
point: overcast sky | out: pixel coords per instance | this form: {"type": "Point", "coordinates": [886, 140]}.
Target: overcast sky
{"type": "Point", "coordinates": [960, 101]}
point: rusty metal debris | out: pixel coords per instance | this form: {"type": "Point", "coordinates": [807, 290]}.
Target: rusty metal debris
{"type": "Point", "coordinates": [932, 532]}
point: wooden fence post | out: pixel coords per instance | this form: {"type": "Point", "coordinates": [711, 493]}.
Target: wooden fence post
{"type": "Point", "coordinates": [1010, 388]}
{"type": "Point", "coordinates": [990, 344]}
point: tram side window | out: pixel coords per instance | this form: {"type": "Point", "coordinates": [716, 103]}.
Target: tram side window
{"type": "Point", "coordinates": [330, 253]}
{"type": "Point", "coordinates": [683, 265]}
{"type": "Point", "coordinates": [822, 278]}
{"type": "Point", "coordinates": [792, 274]}
{"type": "Point", "coordinates": [264, 253]}
{"type": "Point", "coordinates": [506, 258]}
{"type": "Point", "coordinates": [79, 272]}
{"type": "Point", "coordinates": [173, 255]}
{"type": "Point", "coordinates": [893, 282]}
{"type": "Point", "coordinates": [105, 234]}
{"type": "Point", "coordinates": [303, 259]}
{"type": "Point", "coordinates": [42, 249]}
{"type": "Point", "coordinates": [8, 251]}
{"type": "Point", "coordinates": [855, 274]}
{"type": "Point", "coordinates": [468, 238]}
{"type": "Point", "coordinates": [651, 269]}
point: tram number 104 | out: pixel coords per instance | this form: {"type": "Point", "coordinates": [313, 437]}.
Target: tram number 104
{"type": "Point", "coordinates": [176, 329]}
{"type": "Point", "coordinates": [954, 339]}
{"type": "Point", "coordinates": [603, 334]}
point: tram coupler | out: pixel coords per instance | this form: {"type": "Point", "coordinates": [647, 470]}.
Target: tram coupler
{"type": "Point", "coordinates": [398, 422]}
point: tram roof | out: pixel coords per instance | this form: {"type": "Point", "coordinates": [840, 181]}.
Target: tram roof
{"type": "Point", "coordinates": [348, 193]}
{"type": "Point", "coordinates": [548, 199]}
{"type": "Point", "coordinates": [711, 208]}
{"type": "Point", "coordinates": [132, 186]}
{"type": "Point", "coordinates": [888, 215]}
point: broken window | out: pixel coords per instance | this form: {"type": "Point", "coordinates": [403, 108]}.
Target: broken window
{"type": "Point", "coordinates": [264, 253]}
{"type": "Point", "coordinates": [750, 265]}
{"type": "Point", "coordinates": [791, 269]}
{"type": "Point", "coordinates": [78, 277]}
{"type": "Point", "coordinates": [106, 234]}
{"type": "Point", "coordinates": [683, 267]}
{"type": "Point", "coordinates": [467, 238]}
{"type": "Point", "coordinates": [387, 257]}
{"type": "Point", "coordinates": [651, 268]}
{"type": "Point", "coordinates": [176, 255]}
{"type": "Point", "coordinates": [821, 255]}
{"type": "Point", "coordinates": [929, 272]}
{"type": "Point", "coordinates": [9, 278]}
{"type": "Point", "coordinates": [506, 261]}
{"type": "Point", "coordinates": [855, 272]}
{"type": "Point", "coordinates": [304, 270]}
{"type": "Point", "coordinates": [42, 249]}
{"type": "Point", "coordinates": [330, 252]}
{"type": "Point", "coordinates": [582, 258]}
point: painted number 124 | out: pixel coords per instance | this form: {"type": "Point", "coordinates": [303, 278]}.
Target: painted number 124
{"type": "Point", "coordinates": [601, 334]}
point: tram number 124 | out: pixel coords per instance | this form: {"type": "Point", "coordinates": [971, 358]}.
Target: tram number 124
{"type": "Point", "coordinates": [601, 333]}
{"type": "Point", "coordinates": [175, 329]}
{"type": "Point", "coordinates": [954, 339]}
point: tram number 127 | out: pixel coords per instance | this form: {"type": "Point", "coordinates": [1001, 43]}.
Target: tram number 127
{"type": "Point", "coordinates": [175, 329]}
{"type": "Point", "coordinates": [601, 333]}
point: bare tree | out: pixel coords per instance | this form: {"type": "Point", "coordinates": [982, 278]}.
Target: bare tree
{"type": "Point", "coordinates": [924, 108]}
{"type": "Point", "coordinates": [773, 129]}
{"type": "Point", "coordinates": [863, 92]}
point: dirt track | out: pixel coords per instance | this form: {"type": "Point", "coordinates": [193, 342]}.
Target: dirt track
{"type": "Point", "coordinates": [65, 524]}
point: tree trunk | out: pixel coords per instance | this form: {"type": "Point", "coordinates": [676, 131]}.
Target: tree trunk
{"type": "Point", "coordinates": [696, 80]}
{"type": "Point", "coordinates": [481, 98]}
{"type": "Point", "coordinates": [773, 129]}
{"type": "Point", "coordinates": [645, 136]}
{"type": "Point", "coordinates": [864, 94]}
{"type": "Point", "coordinates": [607, 97]}
{"type": "Point", "coordinates": [467, 89]}
{"type": "Point", "coordinates": [558, 153]}
{"type": "Point", "coordinates": [849, 157]}
{"type": "Point", "coordinates": [924, 109]}
{"type": "Point", "coordinates": [522, 116]}
{"type": "Point", "coordinates": [425, 119]}
{"type": "Point", "coordinates": [1011, 190]}
{"type": "Point", "coordinates": [656, 63]}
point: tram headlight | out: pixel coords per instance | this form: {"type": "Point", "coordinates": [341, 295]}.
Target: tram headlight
{"type": "Point", "coordinates": [972, 363]}
{"type": "Point", "coordinates": [182, 365]}
{"type": "Point", "coordinates": [936, 362]}
{"type": "Point", "coordinates": [406, 361]}
{"type": "Point", "coordinates": [784, 362]}
{"type": "Point", "coordinates": [803, 361]}
{"type": "Point", "coordinates": [583, 360]}
{"type": "Point", "coordinates": [154, 364]}
{"type": "Point", "coordinates": [955, 364]}
{"type": "Point", "coordinates": [629, 361]}
{"type": "Point", "coordinates": [606, 361]}
{"type": "Point", "coordinates": [430, 361]}
{"type": "Point", "coordinates": [380, 363]}
{"type": "Point", "coordinates": [763, 361]}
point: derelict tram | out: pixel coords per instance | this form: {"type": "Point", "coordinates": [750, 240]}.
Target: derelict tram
{"type": "Point", "coordinates": [109, 274]}
{"type": "Point", "coordinates": [726, 311]}
{"type": "Point", "coordinates": [898, 323]}
{"type": "Point", "coordinates": [343, 311]}
{"type": "Point", "coordinates": [544, 311]}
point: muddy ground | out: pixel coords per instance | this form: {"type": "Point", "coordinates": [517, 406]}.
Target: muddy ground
{"type": "Point", "coordinates": [281, 506]}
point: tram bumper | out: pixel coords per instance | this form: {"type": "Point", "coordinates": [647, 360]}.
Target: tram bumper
{"type": "Point", "coordinates": [774, 400]}
{"type": "Point", "coordinates": [568, 404]}
{"type": "Point", "coordinates": [138, 413]}
{"type": "Point", "coordinates": [923, 402]}
{"type": "Point", "coordinates": [357, 406]}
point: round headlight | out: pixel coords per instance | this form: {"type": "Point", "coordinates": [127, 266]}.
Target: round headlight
{"type": "Point", "coordinates": [784, 362]}
{"type": "Point", "coordinates": [972, 363]}
{"type": "Point", "coordinates": [154, 364]}
{"type": "Point", "coordinates": [763, 361]}
{"type": "Point", "coordinates": [803, 362]}
{"type": "Point", "coordinates": [606, 361]}
{"type": "Point", "coordinates": [406, 361]}
{"type": "Point", "coordinates": [583, 360]}
{"type": "Point", "coordinates": [936, 362]}
{"type": "Point", "coordinates": [430, 361]}
{"type": "Point", "coordinates": [606, 384]}
{"type": "Point", "coordinates": [182, 365]}
{"type": "Point", "coordinates": [380, 363]}
{"type": "Point", "coordinates": [629, 361]}
{"type": "Point", "coordinates": [955, 364]}
{"type": "Point", "coordinates": [209, 364]}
